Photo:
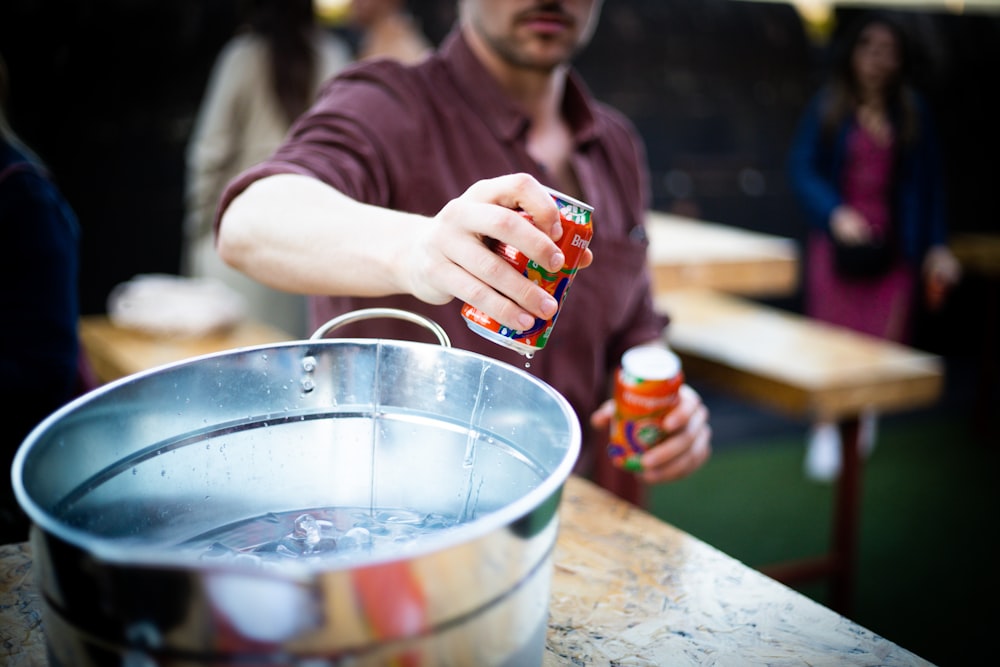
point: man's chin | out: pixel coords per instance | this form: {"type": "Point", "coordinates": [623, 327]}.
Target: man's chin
{"type": "Point", "coordinates": [547, 57]}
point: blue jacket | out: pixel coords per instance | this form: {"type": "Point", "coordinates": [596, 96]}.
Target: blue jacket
{"type": "Point", "coordinates": [39, 347]}
{"type": "Point", "coordinates": [918, 207]}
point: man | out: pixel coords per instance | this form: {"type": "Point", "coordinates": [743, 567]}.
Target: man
{"type": "Point", "coordinates": [387, 187]}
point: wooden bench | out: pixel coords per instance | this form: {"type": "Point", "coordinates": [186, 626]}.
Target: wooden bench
{"type": "Point", "coordinates": [804, 369]}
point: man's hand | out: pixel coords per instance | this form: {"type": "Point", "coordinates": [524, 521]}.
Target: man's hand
{"type": "Point", "coordinates": [848, 226]}
{"type": "Point", "coordinates": [686, 447]}
{"type": "Point", "coordinates": [449, 258]}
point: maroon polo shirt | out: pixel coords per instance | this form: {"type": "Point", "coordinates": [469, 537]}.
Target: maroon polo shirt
{"type": "Point", "coordinates": [413, 138]}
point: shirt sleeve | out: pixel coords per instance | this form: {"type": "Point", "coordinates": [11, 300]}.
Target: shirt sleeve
{"type": "Point", "coordinates": [931, 188]}
{"type": "Point", "coordinates": [810, 178]}
{"type": "Point", "coordinates": [40, 284]}
{"type": "Point", "coordinates": [343, 140]}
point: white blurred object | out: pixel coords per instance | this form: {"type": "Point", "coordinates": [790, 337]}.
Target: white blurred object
{"type": "Point", "coordinates": [823, 454]}
{"type": "Point", "coordinates": [822, 462]}
{"type": "Point", "coordinates": [168, 305]}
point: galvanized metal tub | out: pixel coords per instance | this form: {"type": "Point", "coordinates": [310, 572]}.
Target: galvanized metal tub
{"type": "Point", "coordinates": [128, 486]}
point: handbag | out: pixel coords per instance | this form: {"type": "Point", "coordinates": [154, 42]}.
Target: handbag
{"type": "Point", "coordinates": [862, 260]}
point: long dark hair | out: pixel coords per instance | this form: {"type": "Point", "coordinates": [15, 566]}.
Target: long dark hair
{"type": "Point", "coordinates": [844, 94]}
{"type": "Point", "coordinates": [288, 27]}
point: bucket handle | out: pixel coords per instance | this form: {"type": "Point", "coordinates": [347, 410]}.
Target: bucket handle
{"type": "Point", "coordinates": [372, 313]}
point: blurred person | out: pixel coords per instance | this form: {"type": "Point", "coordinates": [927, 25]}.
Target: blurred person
{"type": "Point", "coordinates": [385, 191]}
{"type": "Point", "coordinates": [39, 347]}
{"type": "Point", "coordinates": [866, 167]}
{"type": "Point", "coordinates": [388, 30]}
{"type": "Point", "coordinates": [263, 78]}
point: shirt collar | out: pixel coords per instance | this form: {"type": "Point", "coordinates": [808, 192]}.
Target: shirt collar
{"type": "Point", "coordinates": [504, 117]}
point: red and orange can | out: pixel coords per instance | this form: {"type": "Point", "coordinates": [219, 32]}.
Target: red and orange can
{"type": "Point", "coordinates": [647, 387]}
{"type": "Point", "coordinates": [578, 229]}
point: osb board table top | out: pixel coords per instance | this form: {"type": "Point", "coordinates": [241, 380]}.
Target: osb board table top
{"type": "Point", "coordinates": [627, 588]}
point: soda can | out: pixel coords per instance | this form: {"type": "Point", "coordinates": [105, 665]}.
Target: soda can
{"type": "Point", "coordinates": [578, 229]}
{"type": "Point", "coordinates": [647, 387]}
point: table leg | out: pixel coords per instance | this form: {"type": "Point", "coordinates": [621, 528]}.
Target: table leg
{"type": "Point", "coordinates": [987, 373]}
{"type": "Point", "coordinates": [839, 565]}
{"type": "Point", "coordinates": [846, 518]}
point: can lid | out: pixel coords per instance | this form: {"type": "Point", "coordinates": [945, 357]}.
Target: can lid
{"type": "Point", "coordinates": [651, 362]}
{"type": "Point", "coordinates": [569, 200]}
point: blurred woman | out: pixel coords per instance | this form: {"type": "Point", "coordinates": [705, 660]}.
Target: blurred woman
{"type": "Point", "coordinates": [866, 168]}
{"type": "Point", "coordinates": [263, 79]}
{"type": "Point", "coordinates": [40, 367]}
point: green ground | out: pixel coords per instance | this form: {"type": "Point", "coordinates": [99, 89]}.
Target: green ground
{"type": "Point", "coordinates": [927, 571]}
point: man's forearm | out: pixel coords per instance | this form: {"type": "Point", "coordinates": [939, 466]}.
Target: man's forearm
{"type": "Point", "coordinates": [273, 229]}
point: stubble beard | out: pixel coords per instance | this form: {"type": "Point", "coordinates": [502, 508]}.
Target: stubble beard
{"type": "Point", "coordinates": [521, 55]}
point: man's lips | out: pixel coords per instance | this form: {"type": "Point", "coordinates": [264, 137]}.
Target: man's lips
{"type": "Point", "coordinates": [547, 22]}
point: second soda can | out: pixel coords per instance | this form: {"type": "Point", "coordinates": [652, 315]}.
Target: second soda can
{"type": "Point", "coordinates": [647, 386]}
{"type": "Point", "coordinates": [578, 229]}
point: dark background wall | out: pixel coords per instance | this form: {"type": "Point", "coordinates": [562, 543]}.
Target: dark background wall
{"type": "Point", "coordinates": [106, 91]}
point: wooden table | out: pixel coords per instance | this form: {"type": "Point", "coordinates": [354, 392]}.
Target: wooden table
{"type": "Point", "coordinates": [799, 366]}
{"type": "Point", "coordinates": [627, 588]}
{"type": "Point", "coordinates": [803, 368]}
{"type": "Point", "coordinates": [684, 252]}
{"type": "Point", "coordinates": [115, 352]}
{"type": "Point", "coordinates": [979, 254]}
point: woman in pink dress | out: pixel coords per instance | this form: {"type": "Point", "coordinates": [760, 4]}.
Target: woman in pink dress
{"type": "Point", "coordinates": [865, 166]}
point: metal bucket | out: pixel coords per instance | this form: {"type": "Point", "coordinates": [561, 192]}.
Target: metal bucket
{"type": "Point", "coordinates": [132, 488]}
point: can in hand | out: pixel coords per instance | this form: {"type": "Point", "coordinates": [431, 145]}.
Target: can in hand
{"type": "Point", "coordinates": [578, 229]}
{"type": "Point", "coordinates": [647, 387]}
